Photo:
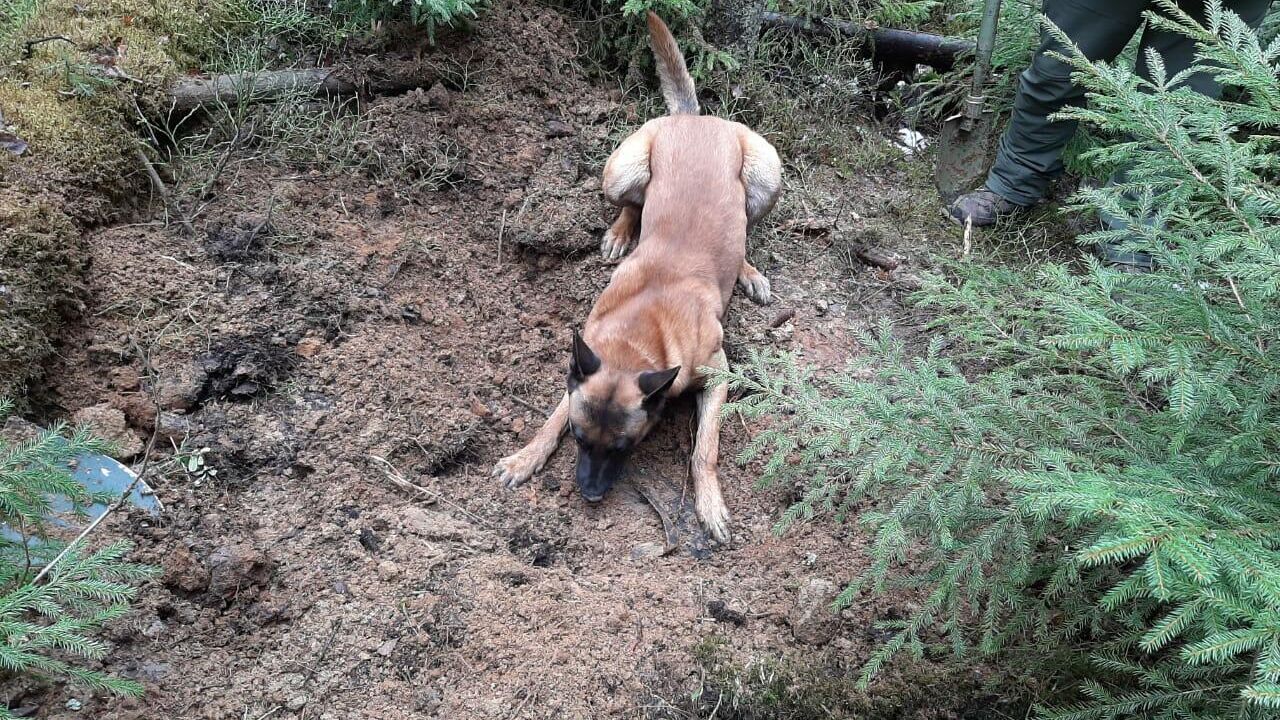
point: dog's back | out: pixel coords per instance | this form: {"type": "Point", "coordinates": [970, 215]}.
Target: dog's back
{"type": "Point", "coordinates": [694, 213]}
{"type": "Point", "coordinates": [695, 208]}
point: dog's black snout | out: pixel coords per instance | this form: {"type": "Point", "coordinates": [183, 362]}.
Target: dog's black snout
{"type": "Point", "coordinates": [597, 472]}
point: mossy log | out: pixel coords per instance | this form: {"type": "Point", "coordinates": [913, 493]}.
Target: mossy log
{"type": "Point", "coordinates": [191, 94]}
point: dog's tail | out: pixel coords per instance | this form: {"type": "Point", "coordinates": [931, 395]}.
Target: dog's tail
{"type": "Point", "coordinates": [673, 75]}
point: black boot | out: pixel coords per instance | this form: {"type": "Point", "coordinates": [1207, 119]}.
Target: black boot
{"type": "Point", "coordinates": [983, 206]}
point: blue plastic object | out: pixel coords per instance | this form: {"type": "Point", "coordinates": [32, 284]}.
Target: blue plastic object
{"type": "Point", "coordinates": [98, 474]}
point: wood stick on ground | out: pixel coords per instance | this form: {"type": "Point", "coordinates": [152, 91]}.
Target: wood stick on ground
{"type": "Point", "coordinates": [670, 531]}
{"type": "Point", "coordinates": [393, 475]}
{"type": "Point", "coordinates": [879, 257]}
{"type": "Point", "coordinates": [163, 191]}
{"type": "Point", "coordinates": [124, 496]}
{"type": "Point", "coordinates": [267, 85]}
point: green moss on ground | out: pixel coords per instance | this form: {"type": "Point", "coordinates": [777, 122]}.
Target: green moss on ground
{"type": "Point", "coordinates": [821, 689]}
{"type": "Point", "coordinates": [75, 102]}
{"type": "Point", "coordinates": [40, 282]}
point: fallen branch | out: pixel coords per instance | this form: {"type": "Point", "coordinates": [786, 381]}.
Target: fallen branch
{"type": "Point", "coordinates": [393, 475]}
{"type": "Point", "coordinates": [267, 85]}
{"type": "Point", "coordinates": [879, 257]}
{"type": "Point", "coordinates": [902, 46]}
{"type": "Point", "coordinates": [163, 191]}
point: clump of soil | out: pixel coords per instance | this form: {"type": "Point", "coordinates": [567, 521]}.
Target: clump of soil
{"type": "Point", "coordinates": [388, 325]}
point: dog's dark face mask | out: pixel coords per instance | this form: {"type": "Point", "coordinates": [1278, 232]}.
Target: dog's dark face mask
{"type": "Point", "coordinates": [609, 413]}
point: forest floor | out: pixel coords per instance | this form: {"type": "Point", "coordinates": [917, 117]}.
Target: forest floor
{"type": "Point", "coordinates": [329, 329]}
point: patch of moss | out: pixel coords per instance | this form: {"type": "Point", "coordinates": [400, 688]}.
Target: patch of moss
{"type": "Point", "coordinates": [73, 101]}
{"type": "Point", "coordinates": [42, 261]}
{"type": "Point", "coordinates": [77, 144]}
{"type": "Point", "coordinates": [823, 688]}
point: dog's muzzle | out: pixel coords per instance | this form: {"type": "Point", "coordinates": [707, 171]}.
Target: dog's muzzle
{"type": "Point", "coordinates": [597, 472]}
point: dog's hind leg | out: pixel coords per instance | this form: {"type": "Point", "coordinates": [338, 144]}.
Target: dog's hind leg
{"type": "Point", "coordinates": [620, 235]}
{"type": "Point", "coordinates": [708, 501]}
{"type": "Point", "coordinates": [762, 179]}
{"type": "Point", "coordinates": [516, 469]}
{"type": "Point", "coordinates": [754, 284]}
{"type": "Point", "coordinates": [626, 176]}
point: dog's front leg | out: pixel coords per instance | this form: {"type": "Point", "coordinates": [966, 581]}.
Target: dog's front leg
{"type": "Point", "coordinates": [516, 469]}
{"type": "Point", "coordinates": [708, 500]}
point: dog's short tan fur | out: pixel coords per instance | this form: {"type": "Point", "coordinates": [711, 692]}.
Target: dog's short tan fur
{"type": "Point", "coordinates": [689, 188]}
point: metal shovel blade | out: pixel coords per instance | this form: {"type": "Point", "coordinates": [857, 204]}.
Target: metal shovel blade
{"type": "Point", "coordinates": [965, 156]}
{"type": "Point", "coordinates": [966, 146]}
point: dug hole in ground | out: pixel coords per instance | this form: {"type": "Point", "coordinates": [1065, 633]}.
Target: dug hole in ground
{"type": "Point", "coordinates": [319, 324]}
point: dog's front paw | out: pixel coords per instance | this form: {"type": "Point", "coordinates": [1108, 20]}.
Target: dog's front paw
{"type": "Point", "coordinates": [756, 286]}
{"type": "Point", "coordinates": [515, 470]}
{"type": "Point", "coordinates": [613, 245]}
{"type": "Point", "coordinates": [715, 517]}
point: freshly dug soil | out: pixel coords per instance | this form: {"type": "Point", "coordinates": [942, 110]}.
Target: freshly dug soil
{"type": "Point", "coordinates": [320, 324]}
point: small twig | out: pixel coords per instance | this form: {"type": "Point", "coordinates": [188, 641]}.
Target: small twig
{"type": "Point", "coordinates": [393, 475]}
{"type": "Point", "coordinates": [206, 190]}
{"type": "Point", "coordinates": [30, 45]}
{"type": "Point", "coordinates": [968, 235]}
{"type": "Point", "coordinates": [324, 652]}
{"type": "Point", "coordinates": [528, 405]}
{"type": "Point", "coordinates": [124, 496]}
{"type": "Point", "coordinates": [163, 191]}
{"type": "Point", "coordinates": [1236, 291]}
{"type": "Point", "coordinates": [269, 713]}
{"type": "Point", "coordinates": [502, 229]}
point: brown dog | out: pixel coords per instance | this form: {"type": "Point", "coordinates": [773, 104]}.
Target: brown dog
{"type": "Point", "coordinates": [689, 188]}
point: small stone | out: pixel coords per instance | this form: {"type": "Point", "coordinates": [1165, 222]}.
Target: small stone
{"type": "Point", "coordinates": [180, 389]}
{"type": "Point", "coordinates": [74, 705]}
{"type": "Point", "coordinates": [517, 425]}
{"type": "Point", "coordinates": [438, 97]}
{"type": "Point", "coordinates": [388, 571]}
{"type": "Point", "coordinates": [782, 335]}
{"type": "Point", "coordinates": [822, 306]}
{"type": "Point", "coordinates": [108, 423]}
{"type": "Point", "coordinates": [173, 427]}
{"type": "Point", "coordinates": [309, 347]}
{"type": "Point", "coordinates": [125, 378]}
{"type": "Point", "coordinates": [559, 129]}
{"type": "Point", "coordinates": [812, 620]}
{"type": "Point", "coordinates": [340, 588]}
{"type": "Point", "coordinates": [297, 702]}
{"type": "Point", "coordinates": [235, 569]}
{"type": "Point", "coordinates": [648, 550]}
{"type": "Point", "coordinates": [439, 526]}
{"type": "Point", "coordinates": [388, 647]}
{"type": "Point", "coordinates": [479, 409]}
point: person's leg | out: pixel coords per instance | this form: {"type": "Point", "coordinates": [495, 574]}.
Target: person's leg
{"type": "Point", "coordinates": [1030, 152]}
{"type": "Point", "coordinates": [1178, 52]}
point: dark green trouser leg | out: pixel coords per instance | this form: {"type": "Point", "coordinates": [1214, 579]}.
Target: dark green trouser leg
{"type": "Point", "coordinates": [1030, 154]}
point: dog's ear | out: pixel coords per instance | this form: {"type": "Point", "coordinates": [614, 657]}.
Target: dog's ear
{"type": "Point", "coordinates": [654, 384]}
{"type": "Point", "coordinates": [582, 362]}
